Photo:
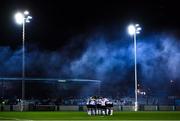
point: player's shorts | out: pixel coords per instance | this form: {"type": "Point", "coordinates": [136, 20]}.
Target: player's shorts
{"type": "Point", "coordinates": [103, 107]}
{"type": "Point", "coordinates": [91, 106]}
{"type": "Point", "coordinates": [109, 105]}
{"type": "Point", "coordinates": [98, 106]}
{"type": "Point", "coordinates": [88, 106]}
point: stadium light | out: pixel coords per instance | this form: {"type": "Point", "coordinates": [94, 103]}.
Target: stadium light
{"type": "Point", "coordinates": [133, 30]}
{"type": "Point", "coordinates": [26, 12]}
{"type": "Point", "coordinates": [22, 19]}
{"type": "Point", "coordinates": [19, 18]}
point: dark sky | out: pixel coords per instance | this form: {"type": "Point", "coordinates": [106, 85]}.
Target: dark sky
{"type": "Point", "coordinates": [55, 23]}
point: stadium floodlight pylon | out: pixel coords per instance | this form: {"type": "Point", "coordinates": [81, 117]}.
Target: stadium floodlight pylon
{"type": "Point", "coordinates": [22, 18]}
{"type": "Point", "coordinates": [133, 30]}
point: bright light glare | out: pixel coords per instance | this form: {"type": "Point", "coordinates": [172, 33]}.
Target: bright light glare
{"type": "Point", "coordinates": [27, 21]}
{"type": "Point", "coordinates": [139, 29]}
{"type": "Point", "coordinates": [19, 17]}
{"type": "Point", "coordinates": [137, 32]}
{"type": "Point", "coordinates": [29, 17]}
{"type": "Point", "coordinates": [137, 25]}
{"type": "Point", "coordinates": [131, 29]}
{"type": "Point", "coordinates": [26, 12]}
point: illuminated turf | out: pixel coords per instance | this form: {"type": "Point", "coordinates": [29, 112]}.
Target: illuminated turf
{"type": "Point", "coordinates": [84, 116]}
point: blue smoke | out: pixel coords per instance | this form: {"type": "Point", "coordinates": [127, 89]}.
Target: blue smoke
{"type": "Point", "coordinates": [104, 61]}
{"type": "Point", "coordinates": [10, 62]}
{"type": "Point", "coordinates": [158, 59]}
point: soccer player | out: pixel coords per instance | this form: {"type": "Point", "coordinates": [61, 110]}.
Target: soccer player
{"type": "Point", "coordinates": [109, 106]}
{"type": "Point", "coordinates": [88, 106]}
{"type": "Point", "coordinates": [93, 106]}
{"type": "Point", "coordinates": [98, 105]}
{"type": "Point", "coordinates": [103, 106]}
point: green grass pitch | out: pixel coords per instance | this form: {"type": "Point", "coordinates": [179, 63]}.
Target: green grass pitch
{"type": "Point", "coordinates": [34, 116]}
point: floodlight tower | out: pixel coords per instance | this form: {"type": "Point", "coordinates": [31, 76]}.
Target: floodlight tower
{"type": "Point", "coordinates": [22, 19]}
{"type": "Point", "coordinates": [133, 30]}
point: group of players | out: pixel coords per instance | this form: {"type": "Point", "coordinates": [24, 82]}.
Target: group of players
{"type": "Point", "coordinates": [99, 106]}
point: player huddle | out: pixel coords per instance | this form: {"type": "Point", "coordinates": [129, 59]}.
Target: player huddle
{"type": "Point", "coordinates": [99, 106]}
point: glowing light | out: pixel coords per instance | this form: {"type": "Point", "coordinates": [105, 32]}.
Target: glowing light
{"type": "Point", "coordinates": [22, 17]}
{"type": "Point", "coordinates": [27, 21]}
{"type": "Point", "coordinates": [131, 29]}
{"type": "Point", "coordinates": [137, 32]}
{"type": "Point", "coordinates": [139, 28]}
{"type": "Point", "coordinates": [29, 17]}
{"type": "Point", "coordinates": [26, 12]}
{"type": "Point", "coordinates": [19, 17]}
{"type": "Point", "coordinates": [137, 25]}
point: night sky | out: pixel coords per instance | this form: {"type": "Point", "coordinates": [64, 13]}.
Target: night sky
{"type": "Point", "coordinates": [88, 39]}
{"type": "Point", "coordinates": [56, 23]}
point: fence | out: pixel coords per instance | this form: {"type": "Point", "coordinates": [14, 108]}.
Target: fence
{"type": "Point", "coordinates": [83, 108]}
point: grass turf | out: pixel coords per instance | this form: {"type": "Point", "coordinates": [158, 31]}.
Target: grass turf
{"type": "Point", "coordinates": [84, 116]}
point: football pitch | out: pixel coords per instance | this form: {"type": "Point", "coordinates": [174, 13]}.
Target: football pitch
{"type": "Point", "coordinates": [70, 116]}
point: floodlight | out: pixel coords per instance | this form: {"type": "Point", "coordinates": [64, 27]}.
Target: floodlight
{"type": "Point", "coordinates": [137, 25]}
{"type": "Point", "coordinates": [137, 32]}
{"type": "Point", "coordinates": [131, 29]}
{"type": "Point", "coordinates": [19, 17]}
{"type": "Point", "coordinates": [29, 17]}
{"type": "Point", "coordinates": [27, 21]}
{"type": "Point", "coordinates": [139, 28]}
{"type": "Point", "coordinates": [26, 12]}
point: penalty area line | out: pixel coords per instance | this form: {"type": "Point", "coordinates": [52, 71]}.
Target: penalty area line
{"type": "Point", "coordinates": [7, 119]}
{"type": "Point", "coordinates": [13, 119]}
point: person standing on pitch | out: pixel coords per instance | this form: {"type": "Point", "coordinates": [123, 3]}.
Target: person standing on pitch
{"type": "Point", "coordinates": [98, 106]}
{"type": "Point", "coordinates": [88, 106]}
{"type": "Point", "coordinates": [109, 106]}
{"type": "Point", "coordinates": [103, 106]}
